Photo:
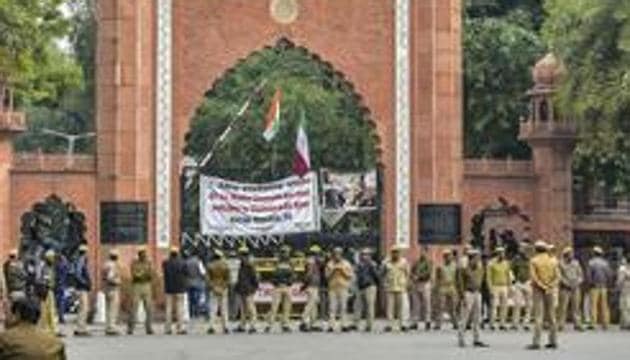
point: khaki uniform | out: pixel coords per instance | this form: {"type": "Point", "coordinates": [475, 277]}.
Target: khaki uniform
{"type": "Point", "coordinates": [469, 281]}
{"type": "Point", "coordinates": [339, 273]}
{"type": "Point", "coordinates": [312, 282]}
{"type": "Point", "coordinates": [522, 291]}
{"type": "Point", "coordinates": [48, 319]}
{"type": "Point", "coordinates": [27, 342]}
{"type": "Point", "coordinates": [141, 277]}
{"type": "Point", "coordinates": [421, 275]}
{"type": "Point", "coordinates": [499, 280]}
{"type": "Point", "coordinates": [218, 277]}
{"type": "Point", "coordinates": [396, 283]}
{"type": "Point", "coordinates": [112, 278]}
{"type": "Point", "coordinates": [283, 279]}
{"type": "Point", "coordinates": [545, 277]}
{"type": "Point", "coordinates": [447, 293]}
{"type": "Point", "coordinates": [571, 278]}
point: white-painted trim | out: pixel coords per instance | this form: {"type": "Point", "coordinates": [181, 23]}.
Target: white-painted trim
{"type": "Point", "coordinates": [163, 127]}
{"type": "Point", "coordinates": [403, 159]}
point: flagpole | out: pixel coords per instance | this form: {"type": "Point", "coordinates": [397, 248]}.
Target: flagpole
{"type": "Point", "coordinates": [206, 159]}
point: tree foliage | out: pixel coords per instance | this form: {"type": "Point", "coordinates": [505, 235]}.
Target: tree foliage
{"type": "Point", "coordinates": [592, 37]}
{"type": "Point", "coordinates": [337, 125]}
{"type": "Point", "coordinates": [499, 52]}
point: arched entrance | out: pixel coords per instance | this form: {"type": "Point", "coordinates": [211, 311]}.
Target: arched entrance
{"type": "Point", "coordinates": [344, 147]}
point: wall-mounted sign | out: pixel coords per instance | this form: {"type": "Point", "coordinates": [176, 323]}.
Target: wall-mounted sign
{"type": "Point", "coordinates": [124, 222]}
{"type": "Point", "coordinates": [439, 224]}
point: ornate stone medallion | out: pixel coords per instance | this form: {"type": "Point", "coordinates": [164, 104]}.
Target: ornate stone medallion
{"type": "Point", "coordinates": [284, 11]}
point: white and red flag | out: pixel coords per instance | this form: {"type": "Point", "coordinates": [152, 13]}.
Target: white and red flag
{"type": "Point", "coordinates": [272, 120]}
{"type": "Point", "coordinates": [302, 157]}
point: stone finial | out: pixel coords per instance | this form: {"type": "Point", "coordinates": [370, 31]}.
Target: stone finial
{"type": "Point", "coordinates": [548, 71]}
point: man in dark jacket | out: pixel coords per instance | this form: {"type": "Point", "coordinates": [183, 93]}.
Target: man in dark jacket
{"type": "Point", "coordinates": [246, 286]}
{"type": "Point", "coordinates": [83, 285]}
{"type": "Point", "coordinates": [15, 276]}
{"type": "Point", "coordinates": [367, 276]}
{"type": "Point", "coordinates": [62, 269]}
{"type": "Point", "coordinates": [174, 269]}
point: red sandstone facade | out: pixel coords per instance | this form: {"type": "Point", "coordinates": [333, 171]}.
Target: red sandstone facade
{"type": "Point", "coordinates": [358, 38]}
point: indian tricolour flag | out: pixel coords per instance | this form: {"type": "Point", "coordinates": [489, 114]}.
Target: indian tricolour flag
{"type": "Point", "coordinates": [272, 120]}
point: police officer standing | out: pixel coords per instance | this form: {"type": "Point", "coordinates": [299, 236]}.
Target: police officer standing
{"type": "Point", "coordinates": [469, 281]}
{"type": "Point", "coordinates": [396, 282]}
{"type": "Point", "coordinates": [246, 286]}
{"type": "Point", "coordinates": [83, 285]}
{"type": "Point", "coordinates": [283, 277]}
{"type": "Point", "coordinates": [571, 278]}
{"type": "Point", "coordinates": [367, 275]}
{"type": "Point", "coordinates": [141, 283]}
{"type": "Point", "coordinates": [499, 279]}
{"type": "Point", "coordinates": [447, 292]}
{"type": "Point", "coordinates": [112, 279]}
{"type": "Point", "coordinates": [174, 270]}
{"type": "Point", "coordinates": [338, 273]}
{"type": "Point", "coordinates": [44, 290]}
{"type": "Point", "coordinates": [545, 277]}
{"type": "Point", "coordinates": [218, 276]}
{"type": "Point", "coordinates": [312, 283]}
{"type": "Point", "coordinates": [15, 276]}
{"type": "Point", "coordinates": [599, 276]}
{"type": "Point", "coordinates": [421, 287]}
{"type": "Point", "coordinates": [522, 291]}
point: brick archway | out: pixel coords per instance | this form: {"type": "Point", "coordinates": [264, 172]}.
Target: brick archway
{"type": "Point", "coordinates": [158, 58]}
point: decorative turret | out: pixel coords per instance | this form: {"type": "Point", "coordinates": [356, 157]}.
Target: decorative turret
{"type": "Point", "coordinates": [544, 122]}
{"type": "Point", "coordinates": [10, 120]}
{"type": "Point", "coordinates": [552, 138]}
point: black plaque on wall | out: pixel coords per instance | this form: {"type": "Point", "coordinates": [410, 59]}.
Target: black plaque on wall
{"type": "Point", "coordinates": [439, 224]}
{"type": "Point", "coordinates": [124, 222]}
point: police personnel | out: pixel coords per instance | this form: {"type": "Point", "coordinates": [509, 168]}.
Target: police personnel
{"type": "Point", "coordinates": [421, 287]}
{"type": "Point", "coordinates": [367, 279]}
{"type": "Point", "coordinates": [174, 270]}
{"type": "Point", "coordinates": [218, 277]}
{"type": "Point", "coordinates": [15, 276]}
{"type": "Point", "coordinates": [338, 273]}
{"type": "Point", "coordinates": [571, 278]}
{"type": "Point", "coordinates": [396, 283]}
{"type": "Point", "coordinates": [45, 285]}
{"type": "Point", "coordinates": [283, 277]}
{"type": "Point", "coordinates": [312, 283]}
{"type": "Point", "coordinates": [469, 281]}
{"type": "Point", "coordinates": [112, 279]}
{"type": "Point", "coordinates": [545, 276]}
{"type": "Point", "coordinates": [245, 288]}
{"type": "Point", "coordinates": [447, 292]}
{"type": "Point", "coordinates": [599, 276]}
{"type": "Point", "coordinates": [499, 278]}
{"type": "Point", "coordinates": [83, 284]}
{"type": "Point", "coordinates": [141, 282]}
{"type": "Point", "coordinates": [522, 291]}
{"type": "Point", "coordinates": [23, 340]}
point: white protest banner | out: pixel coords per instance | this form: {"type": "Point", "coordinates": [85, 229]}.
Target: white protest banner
{"type": "Point", "coordinates": [233, 208]}
{"type": "Point", "coordinates": [264, 293]}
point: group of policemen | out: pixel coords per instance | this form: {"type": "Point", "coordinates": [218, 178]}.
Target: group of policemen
{"type": "Point", "coordinates": [541, 284]}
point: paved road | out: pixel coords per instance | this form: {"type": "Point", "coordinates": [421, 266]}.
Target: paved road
{"type": "Point", "coordinates": [612, 345]}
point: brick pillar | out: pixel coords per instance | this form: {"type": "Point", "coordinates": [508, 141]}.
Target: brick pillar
{"type": "Point", "coordinates": [11, 123]}
{"type": "Point", "coordinates": [552, 139]}
{"type": "Point", "coordinates": [124, 109]}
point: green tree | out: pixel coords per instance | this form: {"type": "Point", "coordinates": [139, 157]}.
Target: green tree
{"type": "Point", "coordinates": [498, 55]}
{"type": "Point", "coordinates": [592, 37]}
{"type": "Point", "coordinates": [338, 127]}
{"type": "Point", "coordinates": [29, 60]}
